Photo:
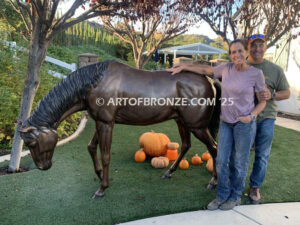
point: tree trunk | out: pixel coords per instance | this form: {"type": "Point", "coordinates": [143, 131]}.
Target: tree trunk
{"type": "Point", "coordinates": [37, 54]}
{"type": "Point", "coordinates": [138, 61]}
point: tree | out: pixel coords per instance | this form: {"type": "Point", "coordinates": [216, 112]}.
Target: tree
{"type": "Point", "coordinates": [39, 27]}
{"type": "Point", "coordinates": [149, 31]}
{"type": "Point", "coordinates": [273, 18]}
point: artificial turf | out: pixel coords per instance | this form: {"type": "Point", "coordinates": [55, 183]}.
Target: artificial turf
{"type": "Point", "coordinates": [62, 195]}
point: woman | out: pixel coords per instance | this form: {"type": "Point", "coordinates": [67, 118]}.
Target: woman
{"type": "Point", "coordinates": [238, 125]}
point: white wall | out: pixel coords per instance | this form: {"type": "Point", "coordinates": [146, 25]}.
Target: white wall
{"type": "Point", "coordinates": [292, 105]}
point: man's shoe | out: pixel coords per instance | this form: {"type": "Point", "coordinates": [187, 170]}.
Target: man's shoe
{"type": "Point", "coordinates": [214, 204]}
{"type": "Point", "coordinates": [229, 204]}
{"type": "Point", "coordinates": [254, 195]}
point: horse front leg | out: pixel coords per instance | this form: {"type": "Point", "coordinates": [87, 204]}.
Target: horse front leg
{"type": "Point", "coordinates": [204, 136]}
{"type": "Point", "coordinates": [92, 148]}
{"type": "Point", "coordinates": [104, 131]}
{"type": "Point", "coordinates": [185, 136]}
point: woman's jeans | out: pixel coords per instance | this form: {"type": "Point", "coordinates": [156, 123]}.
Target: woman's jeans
{"type": "Point", "coordinates": [235, 141]}
{"type": "Point", "coordinates": [263, 143]}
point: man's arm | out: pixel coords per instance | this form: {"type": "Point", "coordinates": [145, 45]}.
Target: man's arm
{"type": "Point", "coordinates": [278, 95]}
{"type": "Point", "coordinates": [282, 95]}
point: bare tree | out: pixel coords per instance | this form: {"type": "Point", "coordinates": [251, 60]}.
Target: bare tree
{"type": "Point", "coordinates": [40, 25]}
{"type": "Point", "coordinates": [241, 18]}
{"type": "Point", "coordinates": [149, 31]}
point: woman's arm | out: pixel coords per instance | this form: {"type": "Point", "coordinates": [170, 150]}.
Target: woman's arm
{"type": "Point", "coordinates": [199, 69]}
{"type": "Point", "coordinates": [258, 108]}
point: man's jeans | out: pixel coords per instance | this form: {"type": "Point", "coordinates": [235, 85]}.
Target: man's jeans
{"type": "Point", "coordinates": [235, 141]}
{"type": "Point", "coordinates": [263, 143]}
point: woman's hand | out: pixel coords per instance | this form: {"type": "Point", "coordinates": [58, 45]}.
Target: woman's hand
{"type": "Point", "coordinates": [244, 119]}
{"type": "Point", "coordinates": [177, 68]}
{"type": "Point", "coordinates": [264, 95]}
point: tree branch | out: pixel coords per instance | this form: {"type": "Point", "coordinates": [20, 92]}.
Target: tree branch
{"type": "Point", "coordinates": [68, 14]}
{"type": "Point", "coordinates": [53, 12]}
{"type": "Point", "coordinates": [27, 9]}
{"type": "Point", "coordinates": [11, 24]}
{"type": "Point", "coordinates": [37, 7]}
{"type": "Point", "coordinates": [18, 10]}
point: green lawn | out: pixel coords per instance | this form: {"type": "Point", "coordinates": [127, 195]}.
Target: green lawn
{"type": "Point", "coordinates": [62, 195]}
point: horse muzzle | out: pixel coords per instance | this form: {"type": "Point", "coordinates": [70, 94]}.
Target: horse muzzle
{"type": "Point", "coordinates": [44, 166]}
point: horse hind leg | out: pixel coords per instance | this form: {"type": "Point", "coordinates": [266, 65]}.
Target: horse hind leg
{"type": "Point", "coordinates": [92, 148]}
{"type": "Point", "coordinates": [185, 136]}
{"type": "Point", "coordinates": [204, 136]}
{"type": "Point", "coordinates": [104, 132]}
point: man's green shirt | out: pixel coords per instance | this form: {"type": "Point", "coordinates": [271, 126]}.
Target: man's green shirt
{"type": "Point", "coordinates": [276, 81]}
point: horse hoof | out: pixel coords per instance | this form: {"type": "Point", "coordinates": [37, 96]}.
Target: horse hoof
{"type": "Point", "coordinates": [166, 176]}
{"type": "Point", "coordinates": [98, 195]}
{"type": "Point", "coordinates": [211, 186]}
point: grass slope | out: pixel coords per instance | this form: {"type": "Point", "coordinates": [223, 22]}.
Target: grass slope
{"type": "Point", "coordinates": [62, 195]}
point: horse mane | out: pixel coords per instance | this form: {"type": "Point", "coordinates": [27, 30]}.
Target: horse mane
{"type": "Point", "coordinates": [66, 93]}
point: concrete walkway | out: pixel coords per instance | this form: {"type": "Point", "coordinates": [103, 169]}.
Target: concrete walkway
{"type": "Point", "coordinates": [288, 123]}
{"type": "Point", "coordinates": [269, 214]}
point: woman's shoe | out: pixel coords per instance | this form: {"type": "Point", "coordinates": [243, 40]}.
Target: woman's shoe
{"type": "Point", "coordinates": [214, 204]}
{"type": "Point", "coordinates": [229, 204]}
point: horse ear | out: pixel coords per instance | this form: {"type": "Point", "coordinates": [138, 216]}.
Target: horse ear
{"type": "Point", "coordinates": [27, 129]}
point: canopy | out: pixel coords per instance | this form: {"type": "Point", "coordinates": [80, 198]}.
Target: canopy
{"type": "Point", "coordinates": [191, 49]}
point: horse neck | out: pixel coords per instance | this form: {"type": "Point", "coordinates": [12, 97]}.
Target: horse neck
{"type": "Point", "coordinates": [45, 117]}
{"type": "Point", "coordinates": [68, 96]}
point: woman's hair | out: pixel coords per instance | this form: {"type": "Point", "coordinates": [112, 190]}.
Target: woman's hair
{"type": "Point", "coordinates": [237, 41]}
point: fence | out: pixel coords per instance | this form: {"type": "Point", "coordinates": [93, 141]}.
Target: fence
{"type": "Point", "coordinates": [72, 67]}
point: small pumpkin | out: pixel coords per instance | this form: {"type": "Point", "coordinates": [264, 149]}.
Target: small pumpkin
{"type": "Point", "coordinates": [173, 145]}
{"type": "Point", "coordinates": [210, 165]}
{"type": "Point", "coordinates": [205, 156]}
{"type": "Point", "coordinates": [160, 162]}
{"type": "Point", "coordinates": [154, 144]}
{"type": "Point", "coordinates": [172, 154]}
{"type": "Point", "coordinates": [140, 156]}
{"type": "Point", "coordinates": [196, 160]}
{"type": "Point", "coordinates": [184, 164]}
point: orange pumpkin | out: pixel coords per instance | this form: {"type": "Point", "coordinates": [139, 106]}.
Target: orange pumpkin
{"type": "Point", "coordinates": [196, 160]}
{"type": "Point", "coordinates": [160, 162]}
{"type": "Point", "coordinates": [184, 164]}
{"type": "Point", "coordinates": [210, 165]}
{"type": "Point", "coordinates": [140, 156]}
{"type": "Point", "coordinates": [205, 156]}
{"type": "Point", "coordinates": [154, 144]}
{"type": "Point", "coordinates": [172, 154]}
{"type": "Point", "coordinates": [173, 145]}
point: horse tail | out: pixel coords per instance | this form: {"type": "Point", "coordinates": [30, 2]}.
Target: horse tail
{"type": "Point", "coordinates": [213, 126]}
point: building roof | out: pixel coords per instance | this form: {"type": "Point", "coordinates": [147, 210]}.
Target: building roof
{"type": "Point", "coordinates": [192, 49]}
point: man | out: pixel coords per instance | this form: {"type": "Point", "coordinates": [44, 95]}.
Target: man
{"type": "Point", "coordinates": [277, 89]}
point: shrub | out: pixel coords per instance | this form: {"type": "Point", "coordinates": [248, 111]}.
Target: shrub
{"type": "Point", "coordinates": [12, 75]}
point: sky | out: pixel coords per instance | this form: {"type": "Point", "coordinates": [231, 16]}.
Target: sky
{"type": "Point", "coordinates": [201, 28]}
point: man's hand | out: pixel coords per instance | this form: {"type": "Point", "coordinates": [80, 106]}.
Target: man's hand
{"type": "Point", "coordinates": [264, 95]}
{"type": "Point", "coordinates": [244, 119]}
{"type": "Point", "coordinates": [177, 68]}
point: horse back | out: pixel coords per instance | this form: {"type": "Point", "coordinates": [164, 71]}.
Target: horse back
{"type": "Point", "coordinates": [123, 82]}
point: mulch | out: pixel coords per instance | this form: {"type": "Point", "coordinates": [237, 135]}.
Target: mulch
{"type": "Point", "coordinates": [4, 170]}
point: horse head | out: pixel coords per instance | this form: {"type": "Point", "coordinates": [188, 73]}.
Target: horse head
{"type": "Point", "coordinates": [41, 142]}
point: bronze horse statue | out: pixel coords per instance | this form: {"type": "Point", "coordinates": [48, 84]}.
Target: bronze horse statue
{"type": "Point", "coordinates": [82, 89]}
